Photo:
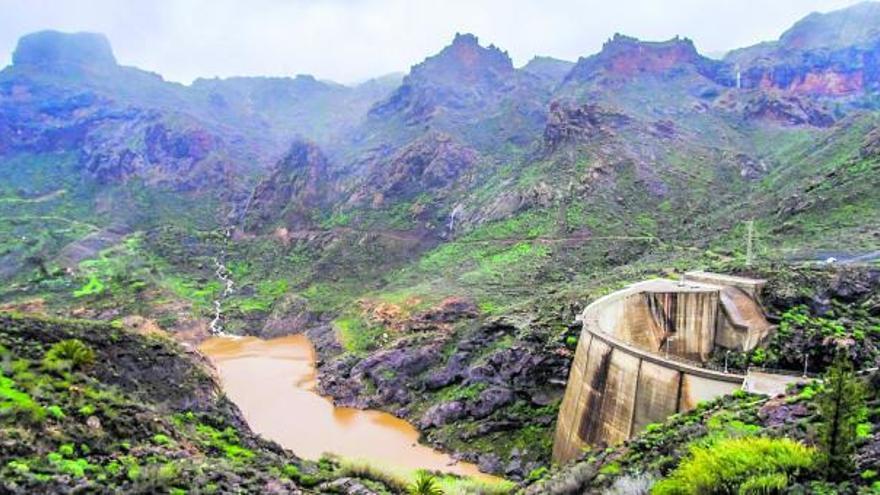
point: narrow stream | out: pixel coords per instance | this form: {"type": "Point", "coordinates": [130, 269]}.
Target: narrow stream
{"type": "Point", "coordinates": [273, 383]}
{"type": "Point", "coordinates": [222, 274]}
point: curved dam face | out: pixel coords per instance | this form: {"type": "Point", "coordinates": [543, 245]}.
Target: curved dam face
{"type": "Point", "coordinates": [640, 354]}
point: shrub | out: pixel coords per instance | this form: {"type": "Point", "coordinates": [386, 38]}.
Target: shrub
{"type": "Point", "coordinates": [764, 484]}
{"type": "Point", "coordinates": [18, 466]}
{"type": "Point", "coordinates": [841, 410]}
{"type": "Point", "coordinates": [291, 471]}
{"type": "Point", "coordinates": [225, 441]}
{"type": "Point", "coordinates": [734, 464]}
{"type": "Point", "coordinates": [425, 484]}
{"type": "Point", "coordinates": [93, 287]}
{"type": "Point", "coordinates": [15, 402]}
{"type": "Point", "coordinates": [538, 473]}
{"type": "Point", "coordinates": [610, 469]}
{"type": "Point", "coordinates": [161, 439]}
{"type": "Point", "coordinates": [69, 354]}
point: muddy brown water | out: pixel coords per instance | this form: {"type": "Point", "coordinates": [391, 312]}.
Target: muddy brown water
{"type": "Point", "coordinates": [273, 383]}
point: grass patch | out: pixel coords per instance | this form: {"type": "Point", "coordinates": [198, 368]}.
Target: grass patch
{"type": "Point", "coordinates": [356, 335]}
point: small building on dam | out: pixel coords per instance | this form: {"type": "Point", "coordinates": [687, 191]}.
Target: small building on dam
{"type": "Point", "coordinates": [642, 353]}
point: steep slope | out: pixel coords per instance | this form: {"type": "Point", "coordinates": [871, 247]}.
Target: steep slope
{"type": "Point", "coordinates": [832, 55]}
{"type": "Point", "coordinates": [748, 428]}
{"type": "Point", "coordinates": [296, 192]}
{"type": "Point", "coordinates": [95, 407]}
{"type": "Point", "coordinates": [469, 91]}
{"type": "Point", "coordinates": [66, 93]}
{"type": "Point", "coordinates": [110, 150]}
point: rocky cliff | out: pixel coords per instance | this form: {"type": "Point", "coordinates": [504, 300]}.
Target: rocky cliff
{"type": "Point", "coordinates": [832, 55]}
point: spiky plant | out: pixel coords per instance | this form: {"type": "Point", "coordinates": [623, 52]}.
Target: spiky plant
{"type": "Point", "coordinates": [69, 354]}
{"type": "Point", "coordinates": [425, 484]}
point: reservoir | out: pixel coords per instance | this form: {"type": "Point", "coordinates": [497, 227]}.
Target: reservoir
{"type": "Point", "coordinates": [273, 382]}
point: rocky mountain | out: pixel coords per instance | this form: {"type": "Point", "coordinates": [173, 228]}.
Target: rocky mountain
{"type": "Point", "coordinates": [467, 90]}
{"type": "Point", "coordinates": [833, 54]}
{"type": "Point", "coordinates": [64, 54]}
{"type": "Point", "coordinates": [65, 93]}
{"type": "Point", "coordinates": [236, 126]}
{"type": "Point", "coordinates": [624, 58]}
{"type": "Point", "coordinates": [435, 233]}
{"type": "Point", "coordinates": [98, 138]}
{"type": "Point", "coordinates": [297, 189]}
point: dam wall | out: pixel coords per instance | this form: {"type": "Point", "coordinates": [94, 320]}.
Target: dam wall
{"type": "Point", "coordinates": [639, 360]}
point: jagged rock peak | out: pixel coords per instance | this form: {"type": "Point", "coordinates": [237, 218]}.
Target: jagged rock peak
{"type": "Point", "coordinates": [624, 57]}
{"type": "Point", "coordinates": [465, 56]}
{"type": "Point", "coordinates": [58, 50]}
{"type": "Point", "coordinates": [657, 55]}
{"type": "Point", "coordinates": [462, 76]}
{"type": "Point", "coordinates": [465, 39]}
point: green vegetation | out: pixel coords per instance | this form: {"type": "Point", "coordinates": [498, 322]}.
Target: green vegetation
{"type": "Point", "coordinates": [652, 191]}
{"type": "Point", "coordinates": [357, 335]}
{"type": "Point", "coordinates": [93, 287]}
{"type": "Point", "coordinates": [841, 410]}
{"type": "Point", "coordinates": [17, 404]}
{"type": "Point", "coordinates": [69, 354]}
{"type": "Point", "coordinates": [225, 442]}
{"type": "Point", "coordinates": [738, 465]}
{"type": "Point", "coordinates": [425, 484]}
{"type": "Point", "coordinates": [803, 335]}
{"type": "Point", "coordinates": [403, 482]}
{"type": "Point", "coordinates": [153, 427]}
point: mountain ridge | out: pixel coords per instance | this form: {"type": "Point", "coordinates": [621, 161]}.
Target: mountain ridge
{"type": "Point", "coordinates": [435, 234]}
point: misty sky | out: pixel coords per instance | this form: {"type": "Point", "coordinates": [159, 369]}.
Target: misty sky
{"type": "Point", "coordinates": [352, 40]}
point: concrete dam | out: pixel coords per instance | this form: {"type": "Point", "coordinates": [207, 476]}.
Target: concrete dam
{"type": "Point", "coordinates": [641, 354]}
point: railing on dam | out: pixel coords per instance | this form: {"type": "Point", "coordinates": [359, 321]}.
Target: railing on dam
{"type": "Point", "coordinates": [597, 326]}
{"type": "Point", "coordinates": [671, 361]}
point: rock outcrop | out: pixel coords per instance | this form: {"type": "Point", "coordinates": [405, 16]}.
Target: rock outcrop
{"type": "Point", "coordinates": [624, 58]}
{"type": "Point", "coordinates": [579, 124]}
{"type": "Point", "coordinates": [506, 381]}
{"type": "Point", "coordinates": [431, 164]}
{"type": "Point", "coordinates": [296, 186]}
{"type": "Point", "coordinates": [58, 52]}
{"type": "Point", "coordinates": [832, 55]}
{"type": "Point", "coordinates": [787, 109]}
{"type": "Point", "coordinates": [462, 75]}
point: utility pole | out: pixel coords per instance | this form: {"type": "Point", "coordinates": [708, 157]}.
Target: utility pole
{"type": "Point", "coordinates": [750, 235]}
